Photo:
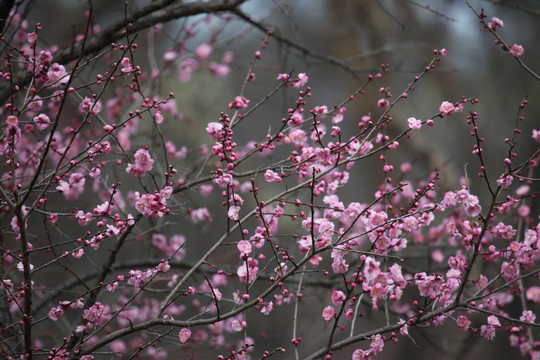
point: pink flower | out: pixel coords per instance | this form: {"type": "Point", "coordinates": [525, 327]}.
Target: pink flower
{"type": "Point", "coordinates": [271, 176]}
{"type": "Point", "coordinates": [201, 214]}
{"type": "Point", "coordinates": [414, 123]}
{"type": "Point", "coordinates": [487, 331]}
{"type": "Point", "coordinates": [169, 56]}
{"type": "Point", "coordinates": [533, 294]}
{"type": "Point", "coordinates": [266, 309]}
{"type": "Point", "coordinates": [143, 163]}
{"type": "Point", "coordinates": [244, 247]}
{"type": "Point", "coordinates": [73, 187]}
{"type": "Point", "coordinates": [338, 297]}
{"type": "Point", "coordinates": [360, 354]}
{"type": "Point", "coordinates": [516, 50]}
{"type": "Point", "coordinates": [328, 313]}
{"type": "Point", "coordinates": [158, 117]}
{"type": "Point", "coordinates": [239, 102]}
{"type": "Point", "coordinates": [57, 75]}
{"type": "Point", "coordinates": [446, 108]}
{"type": "Point", "coordinates": [55, 313]}
{"type": "Point", "coordinates": [463, 323]}
{"type": "Point", "coordinates": [234, 213]}
{"type": "Point", "coordinates": [297, 137]}
{"type": "Point", "coordinates": [282, 77]}
{"type": "Point", "coordinates": [301, 81]}
{"type": "Point", "coordinates": [220, 70]}
{"type": "Point", "coordinates": [228, 57]}
{"type": "Point", "coordinates": [184, 335]}
{"type": "Point", "coordinates": [494, 321]}
{"type": "Point", "coordinates": [497, 22]}
{"type": "Point", "coordinates": [186, 69]}
{"type": "Point", "coordinates": [153, 205]}
{"type": "Point", "coordinates": [32, 38]}
{"type": "Point", "coordinates": [376, 344]}
{"type": "Point", "coordinates": [339, 265]}
{"type": "Point", "coordinates": [94, 313]}
{"type": "Point", "coordinates": [536, 135]}
{"type": "Point", "coordinates": [36, 104]}
{"type": "Point", "coordinates": [90, 106]}
{"type": "Point", "coordinates": [213, 129]}
{"type": "Point", "coordinates": [527, 316]}
{"type": "Point", "coordinates": [383, 103]}
{"type": "Point", "coordinates": [12, 121]}
{"type": "Point", "coordinates": [505, 181]}
{"type": "Point", "coordinates": [126, 65]}
{"type": "Point", "coordinates": [203, 51]}
{"type": "Point", "coordinates": [509, 270]}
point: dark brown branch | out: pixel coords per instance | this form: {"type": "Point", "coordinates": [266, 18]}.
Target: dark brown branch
{"type": "Point", "coordinates": [304, 50]}
{"type": "Point", "coordinates": [140, 19]}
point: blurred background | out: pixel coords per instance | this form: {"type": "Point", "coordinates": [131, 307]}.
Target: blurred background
{"type": "Point", "coordinates": [344, 41]}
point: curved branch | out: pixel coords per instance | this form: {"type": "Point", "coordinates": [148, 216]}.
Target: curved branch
{"type": "Point", "coordinates": [142, 18]}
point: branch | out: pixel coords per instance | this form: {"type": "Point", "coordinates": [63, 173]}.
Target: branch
{"type": "Point", "coordinates": [142, 18]}
{"type": "Point", "coordinates": [304, 50]}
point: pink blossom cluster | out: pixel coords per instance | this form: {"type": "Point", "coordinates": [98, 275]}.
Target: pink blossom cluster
{"type": "Point", "coordinates": [281, 224]}
{"type": "Point", "coordinates": [143, 163]}
{"type": "Point", "coordinates": [153, 205]}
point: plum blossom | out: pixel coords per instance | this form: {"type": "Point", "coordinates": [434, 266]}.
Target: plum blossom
{"type": "Point", "coordinates": [234, 213]}
{"type": "Point", "coordinates": [244, 247]}
{"type": "Point", "coordinates": [297, 137]}
{"type": "Point", "coordinates": [463, 323]}
{"type": "Point", "coordinates": [301, 80]}
{"type": "Point", "coordinates": [533, 294]}
{"type": "Point", "coordinates": [158, 117]}
{"type": "Point", "coordinates": [248, 270]}
{"type": "Point", "coordinates": [200, 214]}
{"type": "Point", "coordinates": [272, 176]}
{"type": "Point", "coordinates": [509, 270]}
{"type": "Point", "coordinates": [446, 108]}
{"type": "Point", "coordinates": [414, 123]}
{"type": "Point", "coordinates": [497, 22]}
{"type": "Point", "coordinates": [57, 75]}
{"type": "Point", "coordinates": [283, 77]}
{"type": "Point", "coordinates": [266, 309]}
{"type": "Point", "coordinates": [32, 38]}
{"type": "Point", "coordinates": [383, 103]}
{"type": "Point", "coordinates": [56, 312]}
{"type": "Point", "coordinates": [536, 135]}
{"type": "Point", "coordinates": [186, 68]}
{"type": "Point", "coordinates": [376, 345]}
{"type": "Point", "coordinates": [153, 205]}
{"type": "Point", "coordinates": [239, 102]}
{"type": "Point", "coordinates": [94, 313]}
{"type": "Point", "coordinates": [328, 313]}
{"type": "Point", "coordinates": [338, 297]}
{"type": "Point", "coordinates": [339, 116]}
{"type": "Point", "coordinates": [73, 187]}
{"type": "Point", "coordinates": [527, 316]}
{"type": "Point", "coordinates": [126, 65]}
{"type": "Point", "coordinates": [143, 163]}
{"type": "Point", "coordinates": [213, 129]}
{"type": "Point", "coordinates": [516, 50]}
{"type": "Point", "coordinates": [42, 121]}
{"type": "Point", "coordinates": [505, 181]}
{"type": "Point", "coordinates": [203, 51]}
{"type": "Point", "coordinates": [90, 106]}
{"type": "Point", "coordinates": [184, 335]}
